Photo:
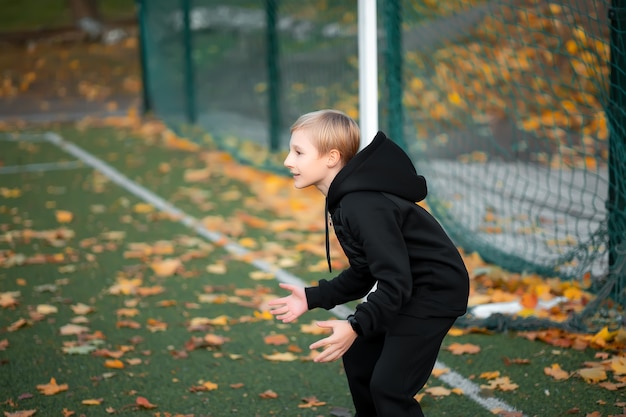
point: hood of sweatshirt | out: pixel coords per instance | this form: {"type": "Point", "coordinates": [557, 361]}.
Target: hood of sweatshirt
{"type": "Point", "coordinates": [380, 166]}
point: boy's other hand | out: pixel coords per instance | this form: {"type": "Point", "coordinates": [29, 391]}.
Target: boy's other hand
{"type": "Point", "coordinates": [291, 307]}
{"type": "Point", "coordinates": [337, 343]}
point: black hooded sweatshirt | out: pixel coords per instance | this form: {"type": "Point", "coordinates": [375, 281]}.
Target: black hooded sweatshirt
{"type": "Point", "coordinates": [389, 241]}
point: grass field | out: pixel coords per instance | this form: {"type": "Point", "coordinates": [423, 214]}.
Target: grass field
{"type": "Point", "coordinates": [35, 15]}
{"type": "Point", "coordinates": [112, 306]}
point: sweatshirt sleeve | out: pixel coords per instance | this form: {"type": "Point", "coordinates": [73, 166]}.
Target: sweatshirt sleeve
{"type": "Point", "coordinates": [375, 222]}
{"type": "Point", "coordinates": [347, 286]}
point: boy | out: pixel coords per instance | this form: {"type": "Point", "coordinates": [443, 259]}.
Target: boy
{"type": "Point", "coordinates": [390, 344]}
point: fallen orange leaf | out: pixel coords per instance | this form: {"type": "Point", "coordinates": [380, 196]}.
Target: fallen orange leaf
{"type": "Point", "coordinates": [210, 386]}
{"type": "Point", "coordinates": [114, 364]}
{"type": "Point", "coordinates": [461, 348]}
{"type": "Point", "coordinates": [215, 340]}
{"type": "Point", "coordinates": [21, 413]}
{"type": "Point", "coordinates": [276, 339]}
{"type": "Point", "coordinates": [529, 300]}
{"type": "Point", "coordinates": [310, 402]}
{"type": "Point", "coordinates": [52, 387]}
{"type": "Point", "coordinates": [144, 403]}
{"type": "Point", "coordinates": [438, 391]}
{"type": "Point", "coordinates": [268, 394]}
{"type": "Point", "coordinates": [155, 325]}
{"type": "Point", "coordinates": [502, 383]}
{"type": "Point", "coordinates": [556, 372]}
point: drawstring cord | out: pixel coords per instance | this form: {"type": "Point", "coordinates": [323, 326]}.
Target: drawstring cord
{"type": "Point", "coordinates": [327, 218]}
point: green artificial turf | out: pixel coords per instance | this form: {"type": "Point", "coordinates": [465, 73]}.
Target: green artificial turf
{"type": "Point", "coordinates": [36, 14]}
{"type": "Point", "coordinates": [84, 269]}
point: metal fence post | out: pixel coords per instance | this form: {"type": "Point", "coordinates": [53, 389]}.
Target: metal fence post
{"type": "Point", "coordinates": [393, 52]}
{"type": "Point", "coordinates": [273, 74]}
{"type": "Point", "coordinates": [617, 142]}
{"type": "Point", "coordinates": [146, 102]}
{"type": "Point", "coordinates": [190, 88]}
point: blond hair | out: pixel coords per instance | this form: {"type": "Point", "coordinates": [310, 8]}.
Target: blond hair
{"type": "Point", "coordinates": [331, 129]}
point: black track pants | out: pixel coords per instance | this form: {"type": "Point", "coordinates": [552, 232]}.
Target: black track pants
{"type": "Point", "coordinates": [385, 371]}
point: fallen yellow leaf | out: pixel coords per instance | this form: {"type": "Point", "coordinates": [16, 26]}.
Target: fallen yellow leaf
{"type": "Point", "coordinates": [92, 401]}
{"type": "Point", "coordinates": [592, 375]}
{"type": "Point", "coordinates": [281, 357]}
{"type": "Point", "coordinates": [64, 216]}
{"type": "Point", "coordinates": [166, 267]}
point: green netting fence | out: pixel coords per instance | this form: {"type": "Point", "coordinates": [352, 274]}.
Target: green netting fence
{"type": "Point", "coordinates": [514, 110]}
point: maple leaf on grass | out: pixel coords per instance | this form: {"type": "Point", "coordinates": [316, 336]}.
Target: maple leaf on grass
{"type": "Point", "coordinates": [592, 375]}
{"type": "Point", "coordinates": [438, 391]}
{"type": "Point", "coordinates": [106, 353]}
{"type": "Point", "coordinates": [215, 340]}
{"type": "Point", "coordinates": [461, 348]}
{"type": "Point", "coordinates": [82, 309]}
{"type": "Point", "coordinates": [520, 361]}
{"type": "Point", "coordinates": [206, 386]}
{"type": "Point", "coordinates": [276, 339]}
{"type": "Point", "coordinates": [114, 364]}
{"type": "Point", "coordinates": [64, 216]}
{"type": "Point", "coordinates": [78, 350]}
{"type": "Point", "coordinates": [264, 315]}
{"type": "Point", "coordinates": [73, 329]}
{"type": "Point", "coordinates": [130, 324]}
{"type": "Point", "coordinates": [310, 402]}
{"type": "Point", "coordinates": [502, 384]}
{"type": "Point", "coordinates": [154, 290]}
{"type": "Point", "coordinates": [269, 394]}
{"type": "Point", "coordinates": [155, 325]}
{"type": "Point", "coordinates": [21, 413]}
{"type": "Point", "coordinates": [166, 267]}
{"type": "Point", "coordinates": [92, 401]}
{"type": "Point", "coordinates": [180, 354]}
{"type": "Point", "coordinates": [281, 357]}
{"type": "Point", "coordinates": [556, 372]}
{"type": "Point", "coordinates": [17, 325]}
{"type": "Point", "coordinates": [9, 299]}
{"type": "Point", "coordinates": [143, 402]}
{"type": "Point", "coordinates": [437, 372]}
{"type": "Point", "coordinates": [617, 364]}
{"type": "Point", "coordinates": [46, 309]}
{"type": "Point", "coordinates": [52, 387]}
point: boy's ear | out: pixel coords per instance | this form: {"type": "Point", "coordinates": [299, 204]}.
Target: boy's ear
{"type": "Point", "coordinates": [334, 157]}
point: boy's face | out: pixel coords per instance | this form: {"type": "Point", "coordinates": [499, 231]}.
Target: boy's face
{"type": "Point", "coordinates": [306, 164]}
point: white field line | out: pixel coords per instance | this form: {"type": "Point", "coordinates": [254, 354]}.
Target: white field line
{"type": "Point", "coordinates": [452, 378]}
{"type": "Point", "coordinates": [41, 167]}
{"type": "Point", "coordinates": [26, 137]}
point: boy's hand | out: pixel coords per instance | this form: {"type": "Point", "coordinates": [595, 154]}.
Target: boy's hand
{"type": "Point", "coordinates": [291, 307]}
{"type": "Point", "coordinates": [337, 343]}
